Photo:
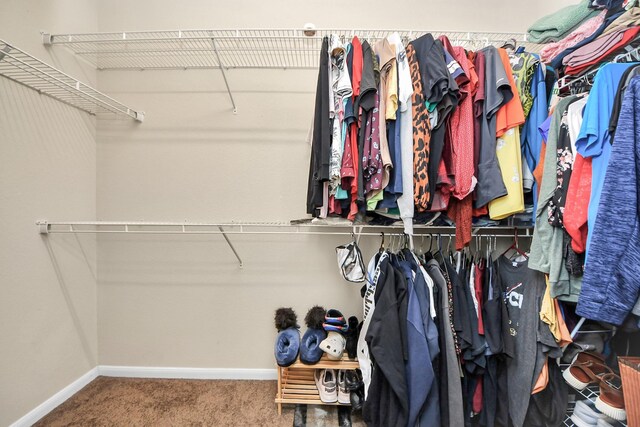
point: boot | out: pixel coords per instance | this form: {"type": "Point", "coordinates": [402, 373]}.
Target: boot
{"type": "Point", "coordinates": [352, 338]}
{"type": "Point", "coordinates": [357, 399]}
{"type": "Point", "coordinates": [344, 416]}
{"type": "Point", "coordinates": [300, 416]}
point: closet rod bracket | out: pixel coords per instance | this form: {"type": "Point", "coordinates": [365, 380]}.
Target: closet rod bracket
{"type": "Point", "coordinates": [224, 75]}
{"type": "Point", "coordinates": [43, 227]}
{"type": "Point", "coordinates": [231, 245]}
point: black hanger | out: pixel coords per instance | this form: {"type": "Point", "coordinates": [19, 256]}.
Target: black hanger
{"type": "Point", "coordinates": [381, 250]}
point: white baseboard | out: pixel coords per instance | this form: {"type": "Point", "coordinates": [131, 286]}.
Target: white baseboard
{"type": "Point", "coordinates": [187, 373]}
{"type": "Point", "coordinates": [141, 372]}
{"type": "Point", "coordinates": [56, 400]}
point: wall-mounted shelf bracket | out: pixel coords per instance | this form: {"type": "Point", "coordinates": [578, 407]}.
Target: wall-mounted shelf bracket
{"type": "Point", "coordinates": [224, 75]}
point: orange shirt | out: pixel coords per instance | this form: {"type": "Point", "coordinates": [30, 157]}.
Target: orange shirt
{"type": "Point", "coordinates": [511, 114]}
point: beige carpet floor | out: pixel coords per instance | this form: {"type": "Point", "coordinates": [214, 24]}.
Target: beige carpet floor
{"type": "Point", "coordinates": [110, 401]}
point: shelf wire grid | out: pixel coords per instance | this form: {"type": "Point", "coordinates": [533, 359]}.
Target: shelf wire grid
{"type": "Point", "coordinates": [246, 48]}
{"type": "Point", "coordinates": [19, 66]}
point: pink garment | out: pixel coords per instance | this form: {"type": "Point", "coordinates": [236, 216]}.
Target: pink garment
{"type": "Point", "coordinates": [552, 50]}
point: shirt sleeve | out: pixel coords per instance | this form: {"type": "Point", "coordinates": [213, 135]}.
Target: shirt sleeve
{"type": "Point", "coordinates": [589, 142]}
{"type": "Point", "coordinates": [611, 280]}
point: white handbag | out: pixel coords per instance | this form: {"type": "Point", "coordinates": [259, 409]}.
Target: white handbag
{"type": "Point", "coordinates": [350, 262]}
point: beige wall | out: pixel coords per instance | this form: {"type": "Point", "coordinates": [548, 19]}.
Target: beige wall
{"type": "Point", "coordinates": [178, 301]}
{"type": "Point", "coordinates": [48, 314]}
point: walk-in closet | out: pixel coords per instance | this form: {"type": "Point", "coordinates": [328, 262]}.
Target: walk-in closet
{"type": "Point", "coordinates": [316, 214]}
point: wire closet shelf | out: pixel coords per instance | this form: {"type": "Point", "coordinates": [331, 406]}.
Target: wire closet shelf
{"type": "Point", "coordinates": [237, 48]}
{"type": "Point", "coordinates": [144, 227]}
{"type": "Point", "coordinates": [264, 228]}
{"type": "Point", "coordinates": [19, 66]}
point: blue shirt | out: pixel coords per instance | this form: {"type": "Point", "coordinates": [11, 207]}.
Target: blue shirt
{"type": "Point", "coordinates": [594, 138]}
{"type": "Point", "coordinates": [531, 139]}
{"type": "Point", "coordinates": [611, 283]}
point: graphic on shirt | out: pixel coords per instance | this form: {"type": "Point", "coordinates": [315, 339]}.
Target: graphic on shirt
{"type": "Point", "coordinates": [514, 298]}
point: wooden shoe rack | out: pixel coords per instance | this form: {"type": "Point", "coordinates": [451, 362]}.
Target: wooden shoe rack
{"type": "Point", "coordinates": [296, 383]}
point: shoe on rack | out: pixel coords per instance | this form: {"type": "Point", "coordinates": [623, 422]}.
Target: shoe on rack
{"type": "Point", "coordinates": [352, 338]}
{"type": "Point", "coordinates": [326, 385]}
{"type": "Point", "coordinates": [333, 345]}
{"type": "Point", "coordinates": [589, 356]}
{"type": "Point", "coordinates": [612, 423]}
{"type": "Point", "coordinates": [353, 379]}
{"type": "Point", "coordinates": [579, 422]}
{"type": "Point", "coordinates": [343, 392]}
{"type": "Point", "coordinates": [287, 343]}
{"type": "Point", "coordinates": [310, 351]}
{"type": "Point", "coordinates": [357, 399]}
{"type": "Point", "coordinates": [587, 411]}
{"type": "Point", "coordinates": [335, 321]}
{"type": "Point", "coordinates": [580, 374]}
{"type": "Point", "coordinates": [611, 400]}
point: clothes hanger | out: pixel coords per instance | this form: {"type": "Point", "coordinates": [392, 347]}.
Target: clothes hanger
{"type": "Point", "coordinates": [439, 250]}
{"type": "Point", "coordinates": [515, 246]}
{"type": "Point", "coordinates": [381, 250]}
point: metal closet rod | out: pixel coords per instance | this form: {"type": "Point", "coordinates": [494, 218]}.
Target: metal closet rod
{"type": "Point", "coordinates": [225, 229]}
{"type": "Point", "coordinates": [137, 227]}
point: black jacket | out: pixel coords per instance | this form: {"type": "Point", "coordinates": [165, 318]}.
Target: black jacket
{"type": "Point", "coordinates": [387, 400]}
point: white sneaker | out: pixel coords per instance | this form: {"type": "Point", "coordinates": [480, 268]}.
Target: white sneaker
{"type": "Point", "coordinates": [326, 384]}
{"type": "Point", "coordinates": [344, 396]}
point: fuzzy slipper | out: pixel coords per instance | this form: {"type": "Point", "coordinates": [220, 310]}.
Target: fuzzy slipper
{"type": "Point", "coordinates": [310, 351]}
{"type": "Point", "coordinates": [333, 345]}
{"type": "Point", "coordinates": [287, 346]}
{"type": "Point", "coordinates": [288, 340]}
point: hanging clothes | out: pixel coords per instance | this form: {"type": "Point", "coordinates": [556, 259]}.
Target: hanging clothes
{"type": "Point", "coordinates": [422, 348]}
{"type": "Point", "coordinates": [352, 161]}
{"type": "Point", "coordinates": [508, 119]}
{"type": "Point", "coordinates": [405, 117]}
{"type": "Point", "coordinates": [321, 142]}
{"type": "Point", "coordinates": [461, 137]}
{"type": "Point", "coordinates": [526, 343]}
{"type": "Point", "coordinates": [421, 136]}
{"type": "Point", "coordinates": [593, 140]}
{"type": "Point", "coordinates": [368, 308]}
{"type": "Point", "coordinates": [386, 62]}
{"type": "Point", "coordinates": [365, 103]}
{"type": "Point", "coordinates": [387, 340]}
{"type": "Point", "coordinates": [610, 287]}
{"type": "Point", "coordinates": [450, 365]}
{"type": "Point", "coordinates": [547, 243]}
{"type": "Point", "coordinates": [498, 92]}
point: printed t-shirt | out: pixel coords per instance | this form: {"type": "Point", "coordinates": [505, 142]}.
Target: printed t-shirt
{"type": "Point", "coordinates": [526, 342]}
{"type": "Point", "coordinates": [421, 136]}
